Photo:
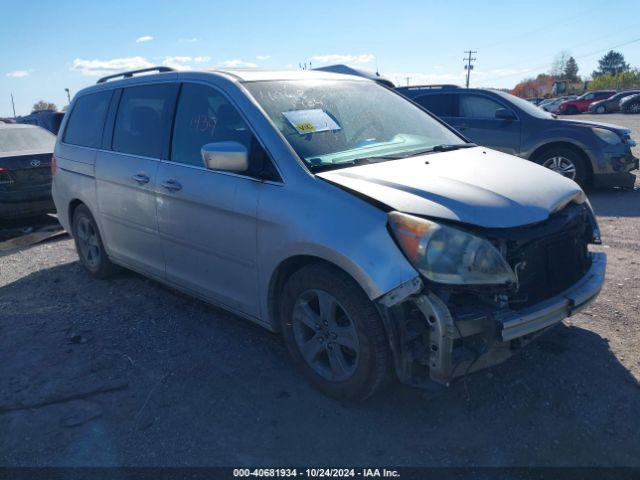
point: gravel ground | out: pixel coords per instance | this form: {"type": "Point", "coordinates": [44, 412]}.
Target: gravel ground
{"type": "Point", "coordinates": [127, 372]}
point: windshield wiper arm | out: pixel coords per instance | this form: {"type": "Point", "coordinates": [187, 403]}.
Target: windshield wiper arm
{"type": "Point", "coordinates": [448, 147]}
{"type": "Point", "coordinates": [321, 167]}
{"type": "Point", "coordinates": [438, 148]}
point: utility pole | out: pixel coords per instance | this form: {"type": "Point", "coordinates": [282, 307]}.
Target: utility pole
{"type": "Point", "coordinates": [407, 79]}
{"type": "Point", "coordinates": [68, 95]}
{"type": "Point", "coordinates": [468, 66]}
{"type": "Point", "coordinates": [14, 106]}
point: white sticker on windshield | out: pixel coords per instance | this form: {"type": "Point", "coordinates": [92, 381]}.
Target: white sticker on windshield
{"type": "Point", "coordinates": [311, 121]}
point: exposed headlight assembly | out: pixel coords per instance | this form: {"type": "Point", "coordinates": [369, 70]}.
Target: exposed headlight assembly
{"type": "Point", "coordinates": [448, 255]}
{"type": "Point", "coordinates": [609, 136]}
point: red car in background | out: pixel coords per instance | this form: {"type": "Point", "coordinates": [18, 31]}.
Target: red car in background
{"type": "Point", "coordinates": [580, 104]}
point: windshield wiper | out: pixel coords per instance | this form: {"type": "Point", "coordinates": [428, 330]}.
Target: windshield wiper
{"type": "Point", "coordinates": [448, 147]}
{"type": "Point", "coordinates": [322, 167]}
{"type": "Point", "coordinates": [438, 148]}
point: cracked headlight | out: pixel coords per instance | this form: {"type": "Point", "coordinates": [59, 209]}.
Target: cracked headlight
{"type": "Point", "coordinates": [445, 254]}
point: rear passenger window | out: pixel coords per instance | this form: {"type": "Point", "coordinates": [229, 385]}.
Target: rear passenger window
{"type": "Point", "coordinates": [144, 120]}
{"type": "Point", "coordinates": [476, 106]}
{"type": "Point", "coordinates": [87, 119]}
{"type": "Point", "coordinates": [442, 105]}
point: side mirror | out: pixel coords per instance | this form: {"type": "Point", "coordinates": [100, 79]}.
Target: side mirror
{"type": "Point", "coordinates": [505, 114]}
{"type": "Point", "coordinates": [225, 156]}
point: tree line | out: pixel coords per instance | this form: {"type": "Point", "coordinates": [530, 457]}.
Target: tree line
{"type": "Point", "coordinates": [613, 72]}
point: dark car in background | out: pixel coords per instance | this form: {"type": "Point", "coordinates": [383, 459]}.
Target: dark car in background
{"type": "Point", "coordinates": [47, 119]}
{"type": "Point", "coordinates": [581, 104]}
{"type": "Point", "coordinates": [611, 104]}
{"type": "Point", "coordinates": [587, 152]}
{"type": "Point", "coordinates": [630, 104]}
{"type": "Point", "coordinates": [25, 170]}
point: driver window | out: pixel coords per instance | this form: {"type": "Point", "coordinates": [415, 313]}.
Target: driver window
{"type": "Point", "coordinates": [475, 106]}
{"type": "Point", "coordinates": [204, 116]}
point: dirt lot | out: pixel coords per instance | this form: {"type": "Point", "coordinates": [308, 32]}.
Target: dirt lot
{"type": "Point", "coordinates": [127, 372]}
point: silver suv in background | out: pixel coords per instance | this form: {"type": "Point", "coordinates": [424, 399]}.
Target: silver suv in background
{"type": "Point", "coordinates": [328, 208]}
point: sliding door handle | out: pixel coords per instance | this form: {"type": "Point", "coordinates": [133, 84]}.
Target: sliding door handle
{"type": "Point", "coordinates": [172, 185]}
{"type": "Point", "coordinates": [141, 178]}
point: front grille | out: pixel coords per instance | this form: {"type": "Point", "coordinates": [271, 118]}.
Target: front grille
{"type": "Point", "coordinates": [551, 256]}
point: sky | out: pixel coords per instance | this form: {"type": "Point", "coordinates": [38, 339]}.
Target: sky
{"type": "Point", "coordinates": [47, 46]}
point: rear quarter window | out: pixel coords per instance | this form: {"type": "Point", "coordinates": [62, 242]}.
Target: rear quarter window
{"type": "Point", "coordinates": [86, 123]}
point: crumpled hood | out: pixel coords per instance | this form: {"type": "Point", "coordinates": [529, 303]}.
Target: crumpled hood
{"type": "Point", "coordinates": [477, 186]}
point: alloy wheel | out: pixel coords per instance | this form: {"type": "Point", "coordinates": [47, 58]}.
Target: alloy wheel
{"type": "Point", "coordinates": [600, 109]}
{"type": "Point", "coordinates": [634, 108]}
{"type": "Point", "coordinates": [561, 165]}
{"type": "Point", "coordinates": [88, 242]}
{"type": "Point", "coordinates": [326, 335]}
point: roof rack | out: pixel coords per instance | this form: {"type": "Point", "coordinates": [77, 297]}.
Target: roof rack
{"type": "Point", "coordinates": [427, 87]}
{"type": "Point", "coordinates": [131, 73]}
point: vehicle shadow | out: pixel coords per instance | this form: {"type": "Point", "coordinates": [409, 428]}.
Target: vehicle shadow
{"type": "Point", "coordinates": [125, 372]}
{"type": "Point", "coordinates": [615, 202]}
{"type": "Point", "coordinates": [22, 226]}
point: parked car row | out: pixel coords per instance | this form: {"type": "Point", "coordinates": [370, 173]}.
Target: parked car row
{"type": "Point", "coordinates": [374, 236]}
{"type": "Point", "coordinates": [597, 101]}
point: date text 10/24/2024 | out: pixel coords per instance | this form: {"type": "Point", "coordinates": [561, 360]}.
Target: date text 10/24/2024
{"type": "Point", "coordinates": [316, 473]}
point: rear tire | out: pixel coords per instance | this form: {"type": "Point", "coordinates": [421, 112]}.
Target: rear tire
{"type": "Point", "coordinates": [633, 108]}
{"type": "Point", "coordinates": [601, 109]}
{"type": "Point", "coordinates": [566, 162]}
{"type": "Point", "coordinates": [89, 244]}
{"type": "Point", "coordinates": [572, 110]}
{"type": "Point", "coordinates": [334, 333]}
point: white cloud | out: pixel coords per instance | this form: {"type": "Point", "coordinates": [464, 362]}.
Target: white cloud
{"type": "Point", "coordinates": [144, 38]}
{"type": "Point", "coordinates": [18, 74]}
{"type": "Point", "coordinates": [340, 58]}
{"type": "Point", "coordinates": [178, 62]}
{"type": "Point", "coordinates": [114, 65]}
{"type": "Point", "coordinates": [236, 63]}
{"type": "Point", "coordinates": [188, 40]}
{"type": "Point", "coordinates": [202, 59]}
{"type": "Point", "coordinates": [263, 57]}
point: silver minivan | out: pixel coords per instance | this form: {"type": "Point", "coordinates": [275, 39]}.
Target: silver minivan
{"type": "Point", "coordinates": [329, 208]}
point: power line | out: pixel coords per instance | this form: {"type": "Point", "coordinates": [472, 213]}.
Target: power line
{"type": "Point", "coordinates": [468, 66]}
{"type": "Point", "coordinates": [546, 27]}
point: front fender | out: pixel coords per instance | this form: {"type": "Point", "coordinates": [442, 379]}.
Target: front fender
{"type": "Point", "coordinates": [342, 229]}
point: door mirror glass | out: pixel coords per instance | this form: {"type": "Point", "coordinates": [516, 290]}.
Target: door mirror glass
{"type": "Point", "coordinates": [505, 114]}
{"type": "Point", "coordinates": [226, 156]}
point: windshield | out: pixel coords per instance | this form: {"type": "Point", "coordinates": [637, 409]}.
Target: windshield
{"type": "Point", "coordinates": [331, 122]}
{"type": "Point", "coordinates": [28, 138]}
{"type": "Point", "coordinates": [524, 105]}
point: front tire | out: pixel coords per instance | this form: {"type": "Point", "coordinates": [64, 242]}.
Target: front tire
{"type": "Point", "coordinates": [334, 333]}
{"type": "Point", "coordinates": [566, 162]}
{"type": "Point", "coordinates": [89, 244]}
{"type": "Point", "coordinates": [634, 108]}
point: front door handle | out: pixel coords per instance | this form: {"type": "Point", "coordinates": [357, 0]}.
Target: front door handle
{"type": "Point", "coordinates": [172, 185]}
{"type": "Point", "coordinates": [141, 178]}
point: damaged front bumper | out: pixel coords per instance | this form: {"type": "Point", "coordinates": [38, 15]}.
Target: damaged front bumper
{"type": "Point", "coordinates": [430, 344]}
